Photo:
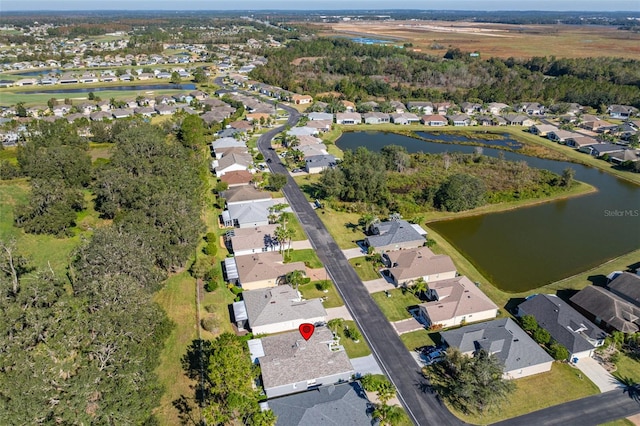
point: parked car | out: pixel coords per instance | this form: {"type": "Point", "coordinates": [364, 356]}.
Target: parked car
{"type": "Point", "coordinates": [296, 170]}
{"type": "Point", "coordinates": [433, 360]}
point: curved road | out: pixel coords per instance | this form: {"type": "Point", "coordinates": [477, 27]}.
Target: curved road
{"type": "Point", "coordinates": [421, 404]}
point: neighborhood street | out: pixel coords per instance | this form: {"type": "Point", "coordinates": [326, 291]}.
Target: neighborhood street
{"type": "Point", "coordinates": [423, 406]}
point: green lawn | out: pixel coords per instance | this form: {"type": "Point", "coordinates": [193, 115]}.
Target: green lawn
{"type": "Point", "coordinates": [342, 226]}
{"type": "Point", "coordinates": [9, 154]}
{"type": "Point", "coordinates": [621, 422]}
{"type": "Point", "coordinates": [308, 256]}
{"type": "Point", "coordinates": [299, 234]}
{"type": "Point", "coordinates": [563, 383]}
{"type": "Point", "coordinates": [395, 307]}
{"type": "Point", "coordinates": [333, 299]}
{"type": "Point", "coordinates": [627, 368]}
{"type": "Point", "coordinates": [418, 338]}
{"type": "Point", "coordinates": [354, 350]}
{"type": "Point", "coordinates": [365, 269]}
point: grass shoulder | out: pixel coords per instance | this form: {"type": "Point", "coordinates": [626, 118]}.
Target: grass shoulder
{"type": "Point", "coordinates": [330, 299]}
{"type": "Point", "coordinates": [395, 307]}
{"type": "Point", "coordinates": [365, 269]}
{"type": "Point", "coordinates": [308, 256]}
{"type": "Point", "coordinates": [353, 349]}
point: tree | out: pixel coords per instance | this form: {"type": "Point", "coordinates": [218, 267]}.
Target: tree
{"type": "Point", "coordinates": [294, 278]}
{"type": "Point", "coordinates": [558, 352]}
{"type": "Point", "coordinates": [335, 324]}
{"type": "Point", "coordinates": [541, 336]}
{"type": "Point", "coordinates": [471, 384]}
{"type": "Point", "coordinates": [276, 181]}
{"type": "Point", "coordinates": [21, 111]}
{"type": "Point", "coordinates": [460, 192]}
{"type": "Point", "coordinates": [419, 287]}
{"type": "Point", "coordinates": [175, 78]}
{"type": "Point", "coordinates": [263, 418]}
{"type": "Point", "coordinates": [390, 415]}
{"type": "Point", "coordinates": [200, 76]}
{"type": "Point", "coordinates": [529, 323]}
{"type": "Point", "coordinates": [567, 177]}
{"type": "Point", "coordinates": [192, 132]}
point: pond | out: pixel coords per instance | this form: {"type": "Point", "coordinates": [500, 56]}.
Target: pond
{"type": "Point", "coordinates": [188, 86]}
{"type": "Point", "coordinates": [38, 73]}
{"type": "Point", "coordinates": [526, 248]}
{"type": "Point", "coordinates": [504, 140]}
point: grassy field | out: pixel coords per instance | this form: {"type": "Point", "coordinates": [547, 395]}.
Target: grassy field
{"type": "Point", "coordinates": [354, 350]}
{"type": "Point", "coordinates": [308, 256]}
{"type": "Point", "coordinates": [365, 269]}
{"type": "Point", "coordinates": [621, 422]}
{"type": "Point", "coordinates": [563, 383]}
{"type": "Point", "coordinates": [418, 338]}
{"type": "Point", "coordinates": [499, 40]}
{"type": "Point", "coordinates": [627, 368]}
{"type": "Point", "coordinates": [310, 291]}
{"type": "Point", "coordinates": [395, 307]}
{"type": "Point", "coordinates": [9, 154]}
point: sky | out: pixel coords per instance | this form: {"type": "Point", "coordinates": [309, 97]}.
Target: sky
{"type": "Point", "coordinates": [550, 5]}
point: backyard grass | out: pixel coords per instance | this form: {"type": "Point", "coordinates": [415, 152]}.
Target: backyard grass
{"type": "Point", "coordinates": [353, 349]}
{"type": "Point", "coordinates": [418, 338]}
{"type": "Point", "coordinates": [310, 291]}
{"type": "Point", "coordinates": [395, 307]}
{"type": "Point", "coordinates": [627, 368]}
{"type": "Point", "coordinates": [364, 268]}
{"type": "Point", "coordinates": [9, 154]}
{"type": "Point", "coordinates": [621, 422]}
{"type": "Point", "coordinates": [562, 384]}
{"type": "Point", "coordinates": [100, 150]}
{"type": "Point", "coordinates": [308, 256]}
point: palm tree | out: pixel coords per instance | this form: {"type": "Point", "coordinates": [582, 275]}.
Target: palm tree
{"type": "Point", "coordinates": [294, 278]}
{"type": "Point", "coordinates": [388, 414]}
{"type": "Point", "coordinates": [335, 324]}
{"type": "Point", "coordinates": [419, 287]}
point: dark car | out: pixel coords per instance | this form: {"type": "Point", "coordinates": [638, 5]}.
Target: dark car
{"type": "Point", "coordinates": [268, 160]}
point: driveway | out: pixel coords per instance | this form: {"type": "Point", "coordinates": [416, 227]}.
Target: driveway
{"type": "Point", "coordinates": [407, 325]}
{"type": "Point", "coordinates": [353, 252]}
{"type": "Point", "coordinates": [339, 312]}
{"type": "Point", "coordinates": [598, 375]}
{"type": "Point", "coordinates": [377, 285]}
{"type": "Point", "coordinates": [365, 365]}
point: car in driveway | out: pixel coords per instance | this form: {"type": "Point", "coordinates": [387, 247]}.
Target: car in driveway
{"type": "Point", "coordinates": [433, 356]}
{"type": "Point", "coordinates": [296, 170]}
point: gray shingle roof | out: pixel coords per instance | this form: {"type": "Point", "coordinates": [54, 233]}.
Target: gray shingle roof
{"type": "Point", "coordinates": [562, 322]}
{"type": "Point", "coordinates": [502, 337]}
{"type": "Point", "coordinates": [279, 304]}
{"type": "Point", "coordinates": [344, 404]}
{"type": "Point", "coordinates": [613, 310]}
{"type": "Point", "coordinates": [393, 232]}
{"type": "Point", "coordinates": [627, 286]}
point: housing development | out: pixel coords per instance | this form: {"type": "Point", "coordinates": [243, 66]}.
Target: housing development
{"type": "Point", "coordinates": [275, 219]}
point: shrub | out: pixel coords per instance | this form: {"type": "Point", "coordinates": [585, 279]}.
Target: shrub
{"type": "Point", "coordinates": [211, 249]}
{"type": "Point", "coordinates": [558, 352]}
{"type": "Point", "coordinates": [259, 157]}
{"type": "Point", "coordinates": [210, 308]}
{"type": "Point", "coordinates": [353, 334]}
{"type": "Point", "coordinates": [209, 324]}
{"type": "Point", "coordinates": [323, 285]}
{"type": "Point", "coordinates": [541, 336]}
{"type": "Point", "coordinates": [211, 286]}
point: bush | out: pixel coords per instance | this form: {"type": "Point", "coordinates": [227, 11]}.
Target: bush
{"type": "Point", "coordinates": [259, 157]}
{"type": "Point", "coordinates": [211, 286]}
{"type": "Point", "coordinates": [541, 336]}
{"type": "Point", "coordinates": [353, 334]}
{"type": "Point", "coordinates": [323, 285]}
{"type": "Point", "coordinates": [235, 289]}
{"type": "Point", "coordinates": [210, 308]}
{"type": "Point", "coordinates": [209, 324]}
{"type": "Point", "coordinates": [558, 352]}
{"type": "Point", "coordinates": [211, 249]}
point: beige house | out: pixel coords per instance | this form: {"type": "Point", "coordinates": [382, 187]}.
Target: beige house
{"type": "Point", "coordinates": [406, 266]}
{"type": "Point", "coordinates": [301, 99]}
{"type": "Point", "coordinates": [262, 270]}
{"type": "Point", "coordinates": [456, 301]}
{"type": "Point", "coordinates": [253, 240]}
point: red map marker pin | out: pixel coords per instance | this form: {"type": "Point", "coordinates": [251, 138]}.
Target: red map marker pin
{"type": "Point", "coordinates": [306, 330]}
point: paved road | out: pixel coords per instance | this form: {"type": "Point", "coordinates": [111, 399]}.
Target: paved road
{"type": "Point", "coordinates": [590, 411]}
{"type": "Point", "coordinates": [423, 406]}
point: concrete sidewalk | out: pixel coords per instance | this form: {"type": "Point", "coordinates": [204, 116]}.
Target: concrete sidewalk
{"type": "Point", "coordinates": [598, 375]}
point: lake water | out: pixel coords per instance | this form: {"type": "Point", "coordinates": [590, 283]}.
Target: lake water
{"type": "Point", "coordinates": [38, 73]}
{"type": "Point", "coordinates": [146, 87]}
{"type": "Point", "coordinates": [526, 248]}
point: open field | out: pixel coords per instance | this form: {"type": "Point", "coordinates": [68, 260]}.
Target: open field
{"type": "Point", "coordinates": [498, 40]}
{"type": "Point", "coordinates": [563, 383]}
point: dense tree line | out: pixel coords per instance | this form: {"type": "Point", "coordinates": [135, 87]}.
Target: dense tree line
{"type": "Point", "coordinates": [395, 180]}
{"type": "Point", "coordinates": [82, 347]}
{"type": "Point", "coordinates": [362, 72]}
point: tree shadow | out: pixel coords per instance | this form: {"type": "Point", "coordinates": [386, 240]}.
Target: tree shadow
{"type": "Point", "coordinates": [352, 226]}
{"type": "Point", "coordinates": [566, 294]}
{"type": "Point", "coordinates": [195, 364]}
{"type": "Point", "coordinates": [631, 388]}
{"type": "Point", "coordinates": [186, 411]}
{"type": "Point", "coordinates": [598, 280]}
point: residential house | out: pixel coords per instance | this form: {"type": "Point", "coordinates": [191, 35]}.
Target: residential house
{"type": "Point", "coordinates": [343, 404]}
{"type": "Point", "coordinates": [262, 270]}
{"type": "Point", "coordinates": [561, 136]}
{"type": "Point", "coordinates": [237, 178]}
{"type": "Point", "coordinates": [496, 108]}
{"type": "Point", "coordinates": [320, 125]}
{"type": "Point", "coordinates": [425, 108]}
{"type": "Point", "coordinates": [470, 107]}
{"type": "Point", "coordinates": [485, 120]}
{"type": "Point", "coordinates": [313, 150]}
{"type": "Point", "coordinates": [627, 286]}
{"type": "Point", "coordinates": [542, 130]}
{"type": "Point", "coordinates": [290, 364]}
{"type": "Point", "coordinates": [518, 120]}
{"type": "Point", "coordinates": [565, 325]}
{"type": "Point", "coordinates": [519, 354]}
{"type": "Point", "coordinates": [165, 109]}
{"type": "Point", "coordinates": [632, 155]}
{"type": "Point", "coordinates": [244, 194]}
{"type": "Point", "coordinates": [259, 239]}
{"type": "Point", "coordinates": [578, 141]}
{"type": "Point", "coordinates": [242, 125]}
{"type": "Point", "coordinates": [315, 116]}
{"type": "Point", "coordinates": [199, 95]}
{"type": "Point", "coordinates": [404, 118]}
{"type": "Point", "coordinates": [348, 118]}
{"type": "Point", "coordinates": [100, 115]}
{"type": "Point", "coordinates": [26, 82]}
{"type": "Point", "coordinates": [348, 105]}
{"type": "Point", "coordinates": [594, 125]}
{"type": "Point", "coordinates": [398, 106]}
{"type": "Point", "coordinates": [600, 149]}
{"type": "Point", "coordinates": [247, 215]}
{"type": "Point", "coordinates": [306, 140]}
{"type": "Point", "coordinates": [371, 104]}
{"type": "Point", "coordinates": [459, 119]}
{"type": "Point", "coordinates": [607, 310]}
{"type": "Point", "coordinates": [317, 163]}
{"type": "Point", "coordinates": [456, 301]}
{"type": "Point", "coordinates": [104, 106]}
{"type": "Point", "coordinates": [376, 117]}
{"type": "Point", "coordinates": [61, 110]}
{"type": "Point", "coordinates": [145, 111]}
{"type": "Point", "coordinates": [225, 143]}
{"type": "Point", "coordinates": [532, 108]}
{"type": "Point", "coordinates": [121, 113]}
{"type": "Point", "coordinates": [407, 266]}
{"type": "Point", "coordinates": [621, 111]}
{"type": "Point", "coordinates": [281, 308]}
{"type": "Point", "coordinates": [443, 108]}
{"type": "Point", "coordinates": [231, 163]}
{"type": "Point", "coordinates": [435, 120]}
{"type": "Point", "coordinates": [302, 131]}
{"type": "Point", "coordinates": [396, 234]}
{"type": "Point", "coordinates": [301, 99]}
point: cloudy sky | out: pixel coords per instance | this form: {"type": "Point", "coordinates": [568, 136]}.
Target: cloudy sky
{"type": "Point", "coordinates": [555, 5]}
